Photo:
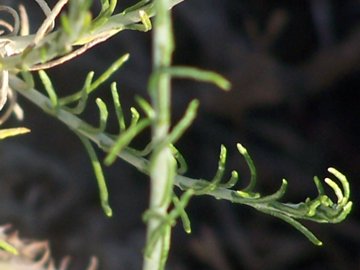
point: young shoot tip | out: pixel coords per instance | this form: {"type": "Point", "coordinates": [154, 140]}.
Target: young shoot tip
{"type": "Point", "coordinates": [241, 149]}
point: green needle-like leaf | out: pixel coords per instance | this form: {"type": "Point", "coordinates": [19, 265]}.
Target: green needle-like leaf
{"type": "Point", "coordinates": [319, 186]}
{"type": "Point", "coordinates": [103, 114]}
{"type": "Point", "coordinates": [135, 116]}
{"type": "Point", "coordinates": [199, 75]}
{"type": "Point", "coordinates": [297, 225]}
{"type": "Point", "coordinates": [104, 194]}
{"type": "Point", "coordinates": [118, 108]}
{"type": "Point", "coordinates": [243, 151]}
{"type": "Point", "coordinates": [10, 132]}
{"type": "Point", "coordinates": [80, 107]}
{"type": "Point", "coordinates": [145, 20]}
{"type": "Point", "coordinates": [124, 139]}
{"type": "Point", "coordinates": [221, 166]}
{"type": "Point", "coordinates": [180, 208]}
{"type": "Point", "coordinates": [232, 181]}
{"type": "Point", "coordinates": [335, 187]}
{"type": "Point", "coordinates": [343, 180]}
{"type": "Point", "coordinates": [49, 89]}
{"type": "Point", "coordinates": [110, 71]}
{"type": "Point", "coordinates": [9, 248]}
{"type": "Point", "coordinates": [184, 123]}
{"type": "Point", "coordinates": [99, 81]}
{"type": "Point", "coordinates": [145, 106]}
{"type": "Point", "coordinates": [182, 168]}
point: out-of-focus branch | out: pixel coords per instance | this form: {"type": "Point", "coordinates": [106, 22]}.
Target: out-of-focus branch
{"type": "Point", "coordinates": [332, 64]}
{"type": "Point", "coordinates": [260, 80]}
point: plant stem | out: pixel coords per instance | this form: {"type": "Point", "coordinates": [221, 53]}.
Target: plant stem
{"type": "Point", "coordinates": [273, 207]}
{"type": "Point", "coordinates": [162, 163]}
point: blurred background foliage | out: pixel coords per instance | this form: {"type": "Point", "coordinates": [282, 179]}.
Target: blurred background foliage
{"type": "Point", "coordinates": [294, 66]}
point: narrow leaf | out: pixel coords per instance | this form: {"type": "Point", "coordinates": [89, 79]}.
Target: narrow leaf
{"type": "Point", "coordinates": [10, 132]}
{"type": "Point", "coordinates": [104, 194]}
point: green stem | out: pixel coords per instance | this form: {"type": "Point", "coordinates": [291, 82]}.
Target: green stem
{"type": "Point", "coordinates": [162, 163]}
{"type": "Point", "coordinates": [328, 213]}
{"type": "Point", "coordinates": [103, 141]}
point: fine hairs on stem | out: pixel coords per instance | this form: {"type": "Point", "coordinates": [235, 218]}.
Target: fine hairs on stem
{"type": "Point", "coordinates": [23, 53]}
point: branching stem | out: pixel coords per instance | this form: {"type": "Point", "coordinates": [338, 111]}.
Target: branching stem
{"type": "Point", "coordinates": [42, 51]}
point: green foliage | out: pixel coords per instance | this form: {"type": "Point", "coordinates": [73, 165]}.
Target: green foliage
{"type": "Point", "coordinates": [161, 160]}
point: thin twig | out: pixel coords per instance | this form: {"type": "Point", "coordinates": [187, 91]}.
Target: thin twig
{"type": "Point", "coordinates": [71, 55]}
{"type": "Point", "coordinates": [48, 24]}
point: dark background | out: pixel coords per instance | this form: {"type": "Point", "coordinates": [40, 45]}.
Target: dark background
{"type": "Point", "coordinates": [294, 104]}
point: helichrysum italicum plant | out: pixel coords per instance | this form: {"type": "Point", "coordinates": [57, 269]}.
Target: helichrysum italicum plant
{"type": "Point", "coordinates": [24, 55]}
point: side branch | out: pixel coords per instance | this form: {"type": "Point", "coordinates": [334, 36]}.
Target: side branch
{"type": "Point", "coordinates": [321, 209]}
